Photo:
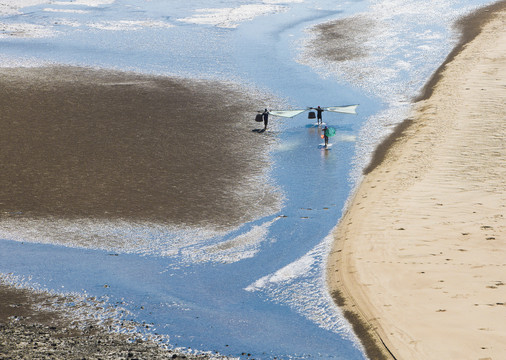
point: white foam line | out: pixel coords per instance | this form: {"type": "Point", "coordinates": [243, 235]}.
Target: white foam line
{"type": "Point", "coordinates": [302, 286]}
{"type": "Point", "coordinates": [110, 235]}
{"type": "Point", "coordinates": [12, 7]}
{"type": "Point", "coordinates": [129, 25]}
{"type": "Point", "coordinates": [188, 245]}
{"type": "Point", "coordinates": [91, 3]}
{"type": "Point", "coordinates": [69, 11]}
{"type": "Point", "coordinates": [231, 17]}
{"type": "Point", "coordinates": [241, 247]}
{"type": "Point", "coordinates": [283, 1]}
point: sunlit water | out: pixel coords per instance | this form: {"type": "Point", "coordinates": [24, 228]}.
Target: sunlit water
{"type": "Point", "coordinates": [259, 288]}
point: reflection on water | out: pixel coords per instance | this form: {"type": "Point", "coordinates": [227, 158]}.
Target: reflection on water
{"type": "Point", "coordinates": [82, 144]}
{"type": "Point", "coordinates": [128, 163]}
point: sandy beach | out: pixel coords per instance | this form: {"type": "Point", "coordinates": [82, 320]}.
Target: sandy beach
{"type": "Point", "coordinates": [420, 254]}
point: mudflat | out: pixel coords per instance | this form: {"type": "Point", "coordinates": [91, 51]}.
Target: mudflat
{"type": "Point", "coordinates": [83, 143]}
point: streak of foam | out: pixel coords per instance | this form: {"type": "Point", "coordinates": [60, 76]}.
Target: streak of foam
{"type": "Point", "coordinates": [189, 245]}
{"type": "Point", "coordinates": [13, 7]}
{"type": "Point", "coordinates": [283, 1]}
{"type": "Point", "coordinates": [287, 145]}
{"type": "Point", "coordinates": [378, 127]}
{"type": "Point", "coordinates": [302, 286]}
{"type": "Point", "coordinates": [241, 247]}
{"type": "Point", "coordinates": [129, 25]}
{"type": "Point", "coordinates": [80, 9]}
{"type": "Point", "coordinates": [231, 17]}
{"type": "Point", "coordinates": [91, 3]}
{"type": "Point", "coordinates": [345, 137]}
{"type": "Point", "coordinates": [111, 235]}
{"type": "Point", "coordinates": [67, 11]}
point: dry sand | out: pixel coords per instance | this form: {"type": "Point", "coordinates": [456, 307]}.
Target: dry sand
{"type": "Point", "coordinates": [420, 255]}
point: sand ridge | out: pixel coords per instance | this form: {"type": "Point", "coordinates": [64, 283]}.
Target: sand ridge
{"type": "Point", "coordinates": [420, 252]}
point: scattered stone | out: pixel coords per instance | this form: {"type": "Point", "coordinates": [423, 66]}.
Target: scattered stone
{"type": "Point", "coordinates": [27, 332]}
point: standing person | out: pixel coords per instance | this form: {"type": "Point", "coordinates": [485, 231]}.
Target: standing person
{"type": "Point", "coordinates": [265, 115]}
{"type": "Point", "coordinates": [326, 135]}
{"type": "Point", "coordinates": [319, 112]}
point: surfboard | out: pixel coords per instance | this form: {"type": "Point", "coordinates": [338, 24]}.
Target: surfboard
{"type": "Point", "coordinates": [348, 109]}
{"type": "Point", "coordinates": [322, 146]}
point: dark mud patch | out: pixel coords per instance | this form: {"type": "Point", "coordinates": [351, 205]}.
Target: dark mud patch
{"type": "Point", "coordinates": [342, 39]}
{"type": "Point", "coordinates": [364, 331]}
{"type": "Point", "coordinates": [82, 143]}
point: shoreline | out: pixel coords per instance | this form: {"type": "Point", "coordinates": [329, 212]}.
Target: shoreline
{"type": "Point", "coordinates": [469, 27]}
{"type": "Point", "coordinates": [30, 329]}
{"type": "Point", "coordinates": [414, 262]}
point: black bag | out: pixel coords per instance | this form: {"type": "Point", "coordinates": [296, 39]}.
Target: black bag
{"type": "Point", "coordinates": [311, 115]}
{"type": "Point", "coordinates": [259, 118]}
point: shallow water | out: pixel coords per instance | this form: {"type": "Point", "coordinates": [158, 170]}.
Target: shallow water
{"type": "Point", "coordinates": [258, 288]}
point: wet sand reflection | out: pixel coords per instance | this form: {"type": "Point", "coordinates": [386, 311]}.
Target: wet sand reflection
{"type": "Point", "coordinates": [80, 143]}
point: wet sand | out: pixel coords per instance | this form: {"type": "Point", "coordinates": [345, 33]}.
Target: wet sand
{"type": "Point", "coordinates": [418, 263]}
{"type": "Point", "coordinates": [27, 332]}
{"type": "Point", "coordinates": [81, 143]}
{"type": "Point", "coordinates": [107, 146]}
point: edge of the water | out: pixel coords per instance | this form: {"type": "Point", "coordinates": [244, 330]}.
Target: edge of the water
{"type": "Point", "coordinates": [469, 27]}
